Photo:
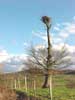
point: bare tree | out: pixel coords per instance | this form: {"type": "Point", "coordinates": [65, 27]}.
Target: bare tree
{"type": "Point", "coordinates": [60, 59]}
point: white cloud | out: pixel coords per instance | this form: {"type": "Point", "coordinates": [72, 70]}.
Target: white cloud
{"type": "Point", "coordinates": [3, 55]}
{"type": "Point", "coordinates": [70, 48]}
{"type": "Point", "coordinates": [56, 28]}
{"type": "Point", "coordinates": [39, 47]}
{"type": "Point", "coordinates": [66, 24]}
{"type": "Point", "coordinates": [11, 62]}
{"type": "Point", "coordinates": [68, 28]}
{"type": "Point", "coordinates": [44, 37]}
{"type": "Point", "coordinates": [53, 38]}
{"type": "Point", "coordinates": [71, 29]}
{"type": "Point", "coordinates": [63, 35]}
{"type": "Point", "coordinates": [74, 18]}
{"type": "Point", "coordinates": [40, 35]}
{"type": "Point", "coordinates": [56, 40]}
{"type": "Point", "coordinates": [25, 44]}
{"type": "Point", "coordinates": [65, 31]}
{"type": "Point", "coordinates": [58, 24]}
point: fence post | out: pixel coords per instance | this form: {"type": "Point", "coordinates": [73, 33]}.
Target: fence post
{"type": "Point", "coordinates": [18, 83]}
{"type": "Point", "coordinates": [34, 87]}
{"type": "Point", "coordinates": [15, 84]}
{"type": "Point", "coordinates": [50, 86]}
{"type": "Point", "coordinates": [26, 83]}
{"type": "Point", "coordinates": [11, 84]}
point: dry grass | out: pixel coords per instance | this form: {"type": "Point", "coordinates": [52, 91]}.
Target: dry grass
{"type": "Point", "coordinates": [7, 94]}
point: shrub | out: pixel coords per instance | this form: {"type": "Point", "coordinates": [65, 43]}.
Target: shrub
{"type": "Point", "coordinates": [7, 94]}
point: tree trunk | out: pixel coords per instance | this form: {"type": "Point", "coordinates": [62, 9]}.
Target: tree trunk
{"type": "Point", "coordinates": [45, 85]}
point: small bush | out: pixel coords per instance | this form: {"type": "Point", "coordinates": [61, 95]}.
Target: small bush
{"type": "Point", "coordinates": [7, 94]}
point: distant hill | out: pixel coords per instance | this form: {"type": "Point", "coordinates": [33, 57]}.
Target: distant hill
{"type": "Point", "coordinates": [34, 72]}
{"type": "Point", "coordinates": [69, 71]}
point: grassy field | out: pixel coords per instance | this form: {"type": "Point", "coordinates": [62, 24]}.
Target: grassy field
{"type": "Point", "coordinates": [63, 86]}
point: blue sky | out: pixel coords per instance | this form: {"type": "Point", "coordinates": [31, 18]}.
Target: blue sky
{"type": "Point", "coordinates": [20, 19]}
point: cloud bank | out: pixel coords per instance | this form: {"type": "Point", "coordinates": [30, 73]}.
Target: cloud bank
{"type": "Point", "coordinates": [11, 62]}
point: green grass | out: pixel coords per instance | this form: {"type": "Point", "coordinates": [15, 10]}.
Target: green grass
{"type": "Point", "coordinates": [60, 89]}
{"type": "Point", "coordinates": [59, 93]}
